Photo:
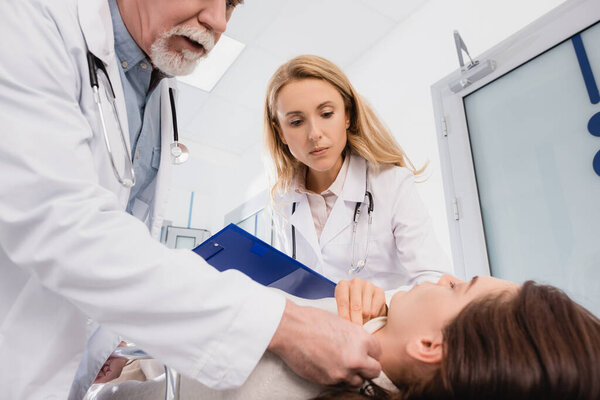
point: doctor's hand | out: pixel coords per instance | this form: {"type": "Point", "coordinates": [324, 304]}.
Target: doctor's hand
{"type": "Point", "coordinates": [359, 301]}
{"type": "Point", "coordinates": [323, 348]}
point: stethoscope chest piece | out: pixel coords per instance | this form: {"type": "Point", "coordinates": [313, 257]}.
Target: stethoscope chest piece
{"type": "Point", "coordinates": [179, 153]}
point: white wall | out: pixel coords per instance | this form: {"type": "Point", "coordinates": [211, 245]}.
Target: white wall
{"type": "Point", "coordinates": [395, 76]}
{"type": "Point", "coordinates": [220, 182]}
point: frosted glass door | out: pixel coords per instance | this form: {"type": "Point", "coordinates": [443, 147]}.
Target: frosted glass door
{"type": "Point", "coordinates": [535, 140]}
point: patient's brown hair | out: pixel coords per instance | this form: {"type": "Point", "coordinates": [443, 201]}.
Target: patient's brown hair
{"type": "Point", "coordinates": [538, 344]}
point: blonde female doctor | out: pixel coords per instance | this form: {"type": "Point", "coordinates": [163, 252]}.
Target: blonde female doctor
{"type": "Point", "coordinates": [344, 197]}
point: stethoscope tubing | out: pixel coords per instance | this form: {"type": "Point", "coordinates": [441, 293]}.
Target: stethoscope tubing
{"type": "Point", "coordinates": [95, 63]}
{"type": "Point", "coordinates": [355, 268]}
{"type": "Point", "coordinates": [179, 152]}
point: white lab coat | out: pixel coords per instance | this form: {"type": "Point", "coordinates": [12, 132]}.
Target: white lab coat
{"type": "Point", "coordinates": [69, 253]}
{"type": "Point", "coordinates": [403, 249]}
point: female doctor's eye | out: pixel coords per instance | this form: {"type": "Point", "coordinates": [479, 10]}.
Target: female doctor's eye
{"type": "Point", "coordinates": [232, 3]}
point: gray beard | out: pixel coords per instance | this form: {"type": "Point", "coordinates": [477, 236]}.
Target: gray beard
{"type": "Point", "coordinates": [183, 62]}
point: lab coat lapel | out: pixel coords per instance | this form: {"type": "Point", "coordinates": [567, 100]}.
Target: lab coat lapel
{"type": "Point", "coordinates": [163, 177]}
{"type": "Point", "coordinates": [96, 25]}
{"type": "Point", "coordinates": [353, 192]}
{"type": "Point", "coordinates": [303, 222]}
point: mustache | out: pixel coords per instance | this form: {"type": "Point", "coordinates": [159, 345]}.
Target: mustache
{"type": "Point", "coordinates": [198, 35]}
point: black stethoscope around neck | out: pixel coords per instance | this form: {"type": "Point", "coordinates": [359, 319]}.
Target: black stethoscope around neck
{"type": "Point", "coordinates": [355, 265]}
{"type": "Point", "coordinates": [179, 152]}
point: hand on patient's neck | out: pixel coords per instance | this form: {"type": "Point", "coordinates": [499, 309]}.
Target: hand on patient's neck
{"type": "Point", "coordinates": [323, 348]}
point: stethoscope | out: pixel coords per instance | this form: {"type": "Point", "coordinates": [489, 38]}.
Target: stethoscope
{"type": "Point", "coordinates": [355, 266]}
{"type": "Point", "coordinates": [179, 152]}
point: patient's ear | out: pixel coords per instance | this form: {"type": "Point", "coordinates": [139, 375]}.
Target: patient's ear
{"type": "Point", "coordinates": [426, 348]}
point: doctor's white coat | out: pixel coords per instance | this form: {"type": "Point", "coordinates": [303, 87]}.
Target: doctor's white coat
{"type": "Point", "coordinates": [403, 249]}
{"type": "Point", "coordinates": [69, 254]}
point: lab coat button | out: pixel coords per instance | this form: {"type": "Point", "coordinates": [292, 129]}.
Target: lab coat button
{"type": "Point", "coordinates": [124, 64]}
{"type": "Point", "coordinates": [137, 154]}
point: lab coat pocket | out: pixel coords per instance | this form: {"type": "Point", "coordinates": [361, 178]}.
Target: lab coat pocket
{"type": "Point", "coordinates": [340, 253]}
{"type": "Point", "coordinates": [380, 253]}
{"type": "Point", "coordinates": [377, 253]}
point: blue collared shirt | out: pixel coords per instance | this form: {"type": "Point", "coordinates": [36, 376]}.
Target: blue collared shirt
{"type": "Point", "coordinates": [143, 108]}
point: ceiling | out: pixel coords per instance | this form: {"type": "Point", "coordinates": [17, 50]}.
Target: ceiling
{"type": "Point", "coordinates": [227, 122]}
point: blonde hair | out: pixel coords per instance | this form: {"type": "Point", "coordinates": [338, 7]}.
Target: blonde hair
{"type": "Point", "coordinates": [367, 135]}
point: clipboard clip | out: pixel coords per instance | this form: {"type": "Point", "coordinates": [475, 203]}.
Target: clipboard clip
{"type": "Point", "coordinates": [211, 251]}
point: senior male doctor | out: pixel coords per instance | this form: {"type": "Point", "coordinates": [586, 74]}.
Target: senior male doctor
{"type": "Point", "coordinates": [78, 246]}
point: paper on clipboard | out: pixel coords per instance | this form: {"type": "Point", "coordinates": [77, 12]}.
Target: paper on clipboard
{"type": "Point", "coordinates": [234, 248]}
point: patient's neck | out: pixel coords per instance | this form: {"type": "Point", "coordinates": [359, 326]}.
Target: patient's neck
{"type": "Point", "coordinates": [391, 352]}
{"type": "Point", "coordinates": [395, 361]}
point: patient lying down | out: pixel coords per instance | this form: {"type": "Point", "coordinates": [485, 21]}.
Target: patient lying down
{"type": "Point", "coordinates": [483, 339]}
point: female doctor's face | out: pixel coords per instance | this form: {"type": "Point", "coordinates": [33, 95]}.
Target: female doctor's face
{"type": "Point", "coordinates": [176, 33]}
{"type": "Point", "coordinates": [313, 123]}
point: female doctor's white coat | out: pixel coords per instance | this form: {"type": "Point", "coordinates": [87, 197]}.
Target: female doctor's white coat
{"type": "Point", "coordinates": [69, 254]}
{"type": "Point", "coordinates": [403, 249]}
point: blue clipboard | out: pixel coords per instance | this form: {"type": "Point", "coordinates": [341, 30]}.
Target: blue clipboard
{"type": "Point", "coordinates": [234, 248]}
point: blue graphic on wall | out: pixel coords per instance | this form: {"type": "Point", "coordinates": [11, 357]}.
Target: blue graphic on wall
{"type": "Point", "coordinates": [592, 89]}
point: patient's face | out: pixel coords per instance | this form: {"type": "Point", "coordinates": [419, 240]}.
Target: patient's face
{"type": "Point", "coordinates": [428, 307]}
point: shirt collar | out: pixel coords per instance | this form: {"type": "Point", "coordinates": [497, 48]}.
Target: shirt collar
{"type": "Point", "coordinates": [126, 48]}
